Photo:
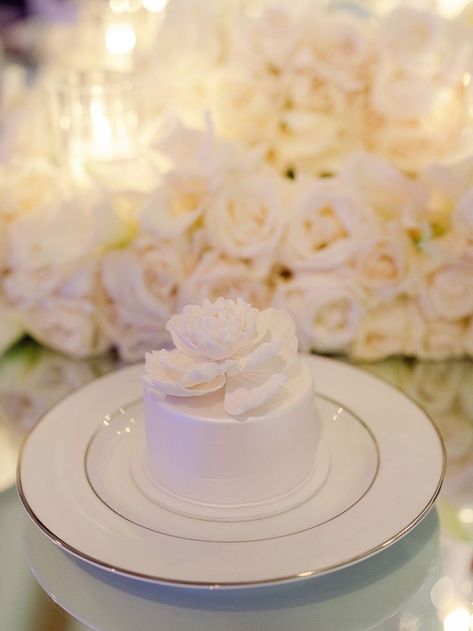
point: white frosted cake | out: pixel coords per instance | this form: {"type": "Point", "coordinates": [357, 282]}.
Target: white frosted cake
{"type": "Point", "coordinates": [230, 412]}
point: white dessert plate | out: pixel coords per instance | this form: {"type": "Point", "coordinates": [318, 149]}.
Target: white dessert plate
{"type": "Point", "coordinates": [77, 480]}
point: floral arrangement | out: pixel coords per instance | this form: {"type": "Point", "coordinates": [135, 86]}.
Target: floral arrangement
{"type": "Point", "coordinates": [314, 160]}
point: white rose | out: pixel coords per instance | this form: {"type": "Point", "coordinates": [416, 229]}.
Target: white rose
{"type": "Point", "coordinates": [385, 264]}
{"type": "Point", "coordinates": [436, 339]}
{"type": "Point", "coordinates": [383, 331]}
{"type": "Point", "coordinates": [199, 37]}
{"type": "Point", "coordinates": [66, 324]}
{"type": "Point", "coordinates": [226, 344]}
{"type": "Point", "coordinates": [342, 47]}
{"type": "Point", "coordinates": [325, 308]}
{"type": "Point", "coordinates": [327, 227]}
{"type": "Point", "coordinates": [176, 204]}
{"type": "Point", "coordinates": [138, 294]}
{"type": "Point", "coordinates": [435, 385]}
{"type": "Point", "coordinates": [448, 292]}
{"type": "Point", "coordinates": [50, 245]}
{"type": "Point", "coordinates": [420, 42]}
{"type": "Point", "coordinates": [266, 39]}
{"type": "Point", "coordinates": [246, 219]}
{"type": "Point", "coordinates": [28, 185]}
{"type": "Point", "coordinates": [307, 140]}
{"type": "Point", "coordinates": [413, 143]}
{"type": "Point", "coordinates": [245, 106]}
{"type": "Point", "coordinates": [379, 184]}
{"type": "Point", "coordinates": [216, 276]}
{"type": "Point", "coordinates": [398, 96]}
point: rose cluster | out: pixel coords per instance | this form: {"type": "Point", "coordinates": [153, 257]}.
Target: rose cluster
{"type": "Point", "coordinates": [317, 182]}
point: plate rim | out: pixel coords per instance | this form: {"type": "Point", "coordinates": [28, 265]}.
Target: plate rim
{"type": "Point", "coordinates": [83, 556]}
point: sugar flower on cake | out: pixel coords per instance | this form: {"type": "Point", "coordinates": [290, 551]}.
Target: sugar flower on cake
{"type": "Point", "coordinates": [225, 345]}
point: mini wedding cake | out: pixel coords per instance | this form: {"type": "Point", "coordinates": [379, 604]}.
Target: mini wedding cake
{"type": "Point", "coordinates": [230, 412]}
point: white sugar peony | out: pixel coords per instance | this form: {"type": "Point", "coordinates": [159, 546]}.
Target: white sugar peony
{"type": "Point", "coordinates": [325, 307]}
{"type": "Point", "coordinates": [226, 344]}
{"type": "Point", "coordinates": [327, 227]}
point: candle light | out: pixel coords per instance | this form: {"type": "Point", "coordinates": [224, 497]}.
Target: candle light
{"type": "Point", "coordinates": [97, 120]}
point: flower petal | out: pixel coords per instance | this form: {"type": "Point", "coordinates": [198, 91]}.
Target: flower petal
{"type": "Point", "coordinates": [247, 392]}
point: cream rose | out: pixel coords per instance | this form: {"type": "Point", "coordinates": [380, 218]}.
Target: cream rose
{"type": "Point", "coordinates": [27, 185]}
{"type": "Point", "coordinates": [342, 46]}
{"type": "Point", "coordinates": [325, 307]}
{"type": "Point", "coordinates": [437, 339]}
{"type": "Point", "coordinates": [385, 265]}
{"type": "Point", "coordinates": [226, 344]}
{"type": "Point", "coordinates": [216, 276]}
{"type": "Point", "coordinates": [245, 105]}
{"type": "Point", "coordinates": [448, 292]}
{"type": "Point", "coordinates": [246, 219]}
{"type": "Point", "coordinates": [383, 332]}
{"type": "Point", "coordinates": [66, 324]}
{"type": "Point", "coordinates": [420, 42]}
{"type": "Point", "coordinates": [326, 229]}
{"type": "Point", "coordinates": [413, 143]}
{"type": "Point", "coordinates": [138, 293]}
{"type": "Point", "coordinates": [48, 246]}
{"type": "Point", "coordinates": [379, 184]}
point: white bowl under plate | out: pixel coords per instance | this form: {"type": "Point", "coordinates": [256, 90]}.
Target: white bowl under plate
{"type": "Point", "coordinates": [387, 466]}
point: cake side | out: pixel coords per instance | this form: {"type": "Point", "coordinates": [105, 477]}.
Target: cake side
{"type": "Point", "coordinates": [198, 452]}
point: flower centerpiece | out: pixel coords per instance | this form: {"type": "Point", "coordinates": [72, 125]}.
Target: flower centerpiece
{"type": "Point", "coordinates": [318, 160]}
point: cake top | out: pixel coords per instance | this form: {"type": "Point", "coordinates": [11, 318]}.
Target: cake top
{"type": "Point", "coordinates": [226, 345]}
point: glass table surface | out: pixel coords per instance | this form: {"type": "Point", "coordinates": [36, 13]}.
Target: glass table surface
{"type": "Point", "coordinates": [423, 582]}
